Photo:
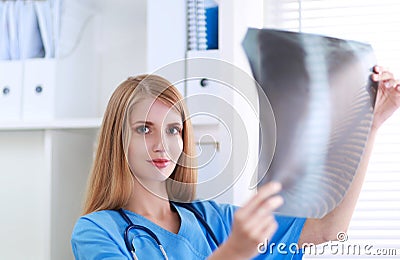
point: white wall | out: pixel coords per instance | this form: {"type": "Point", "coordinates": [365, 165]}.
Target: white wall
{"type": "Point", "coordinates": [121, 44]}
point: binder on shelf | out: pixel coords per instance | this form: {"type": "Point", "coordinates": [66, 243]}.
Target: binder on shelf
{"type": "Point", "coordinates": [211, 7]}
{"type": "Point", "coordinates": [11, 90]}
{"type": "Point", "coordinates": [44, 18]}
{"type": "Point", "coordinates": [39, 89]}
{"type": "Point", "coordinates": [4, 41]}
{"type": "Point", "coordinates": [12, 23]}
{"type": "Point", "coordinates": [30, 41]}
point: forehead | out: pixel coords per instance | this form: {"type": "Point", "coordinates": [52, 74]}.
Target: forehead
{"type": "Point", "coordinates": [154, 110]}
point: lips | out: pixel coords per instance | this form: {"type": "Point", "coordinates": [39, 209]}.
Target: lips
{"type": "Point", "coordinates": [160, 163]}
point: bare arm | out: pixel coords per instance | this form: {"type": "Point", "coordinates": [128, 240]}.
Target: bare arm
{"type": "Point", "coordinates": [326, 229]}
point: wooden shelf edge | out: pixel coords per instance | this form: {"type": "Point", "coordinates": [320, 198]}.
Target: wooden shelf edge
{"type": "Point", "coordinates": [72, 123]}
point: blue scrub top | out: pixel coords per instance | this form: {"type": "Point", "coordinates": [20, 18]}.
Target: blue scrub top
{"type": "Point", "coordinates": [99, 235]}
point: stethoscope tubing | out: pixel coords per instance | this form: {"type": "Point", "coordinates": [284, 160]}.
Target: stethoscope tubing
{"type": "Point", "coordinates": [131, 226]}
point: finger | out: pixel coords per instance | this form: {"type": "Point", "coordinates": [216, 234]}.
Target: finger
{"type": "Point", "coordinates": [382, 77]}
{"type": "Point", "coordinates": [257, 231]}
{"type": "Point", "coordinates": [396, 87]}
{"type": "Point", "coordinates": [381, 73]}
{"type": "Point", "coordinates": [266, 209]}
{"type": "Point", "coordinates": [391, 83]}
{"type": "Point", "coordinates": [386, 75]}
{"type": "Point", "coordinates": [376, 69]}
{"type": "Point", "coordinates": [272, 203]}
{"type": "Point", "coordinates": [268, 231]}
{"type": "Point", "coordinates": [261, 215]}
{"type": "Point", "coordinates": [264, 192]}
{"type": "Point", "coordinates": [268, 190]}
{"type": "Point", "coordinates": [264, 226]}
{"type": "Point", "coordinates": [379, 69]}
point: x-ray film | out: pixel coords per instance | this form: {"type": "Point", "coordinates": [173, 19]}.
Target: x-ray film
{"type": "Point", "coordinates": [322, 99]}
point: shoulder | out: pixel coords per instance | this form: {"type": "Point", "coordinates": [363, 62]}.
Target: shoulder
{"type": "Point", "coordinates": [94, 224]}
{"type": "Point", "coordinates": [214, 210]}
{"type": "Point", "coordinates": [212, 207]}
{"type": "Point", "coordinates": [98, 229]}
{"type": "Point", "coordinates": [218, 216]}
{"type": "Point", "coordinates": [96, 220]}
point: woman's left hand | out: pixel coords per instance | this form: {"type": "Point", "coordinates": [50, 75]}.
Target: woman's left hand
{"type": "Point", "coordinates": [388, 96]}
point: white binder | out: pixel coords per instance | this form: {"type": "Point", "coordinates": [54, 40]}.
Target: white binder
{"type": "Point", "coordinates": [39, 89]}
{"type": "Point", "coordinates": [11, 90]}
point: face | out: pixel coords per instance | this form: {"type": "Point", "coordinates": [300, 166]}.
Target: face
{"type": "Point", "coordinates": [156, 140]}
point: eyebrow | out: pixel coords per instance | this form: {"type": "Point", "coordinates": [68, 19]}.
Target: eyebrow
{"type": "Point", "coordinates": [143, 123]}
{"type": "Point", "coordinates": [152, 124]}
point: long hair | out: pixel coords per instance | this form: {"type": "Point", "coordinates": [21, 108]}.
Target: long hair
{"type": "Point", "coordinates": [111, 183]}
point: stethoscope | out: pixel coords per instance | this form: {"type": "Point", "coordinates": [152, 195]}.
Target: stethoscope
{"type": "Point", "coordinates": [131, 247]}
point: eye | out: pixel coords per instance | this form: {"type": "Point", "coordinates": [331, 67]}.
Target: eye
{"type": "Point", "coordinates": [175, 130]}
{"type": "Point", "coordinates": [143, 129]}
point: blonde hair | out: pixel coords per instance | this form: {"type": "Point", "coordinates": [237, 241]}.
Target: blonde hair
{"type": "Point", "coordinates": [110, 183]}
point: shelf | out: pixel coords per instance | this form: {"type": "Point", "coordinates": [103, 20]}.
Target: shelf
{"type": "Point", "coordinates": [214, 53]}
{"type": "Point", "coordinates": [59, 124]}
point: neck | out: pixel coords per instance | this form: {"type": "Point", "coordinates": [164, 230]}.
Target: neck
{"type": "Point", "coordinates": [149, 200]}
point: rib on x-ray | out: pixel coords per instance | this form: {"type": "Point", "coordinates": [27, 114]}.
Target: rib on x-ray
{"type": "Point", "coordinates": [322, 99]}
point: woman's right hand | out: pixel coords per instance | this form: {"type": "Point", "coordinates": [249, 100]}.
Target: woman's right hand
{"type": "Point", "coordinates": [253, 224]}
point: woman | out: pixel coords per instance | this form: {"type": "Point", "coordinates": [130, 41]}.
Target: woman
{"type": "Point", "coordinates": [144, 164]}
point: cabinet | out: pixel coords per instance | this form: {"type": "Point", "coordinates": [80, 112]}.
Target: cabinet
{"type": "Point", "coordinates": [52, 88]}
{"type": "Point", "coordinates": [43, 176]}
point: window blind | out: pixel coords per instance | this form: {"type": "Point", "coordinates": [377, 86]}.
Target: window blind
{"type": "Point", "coordinates": [376, 220]}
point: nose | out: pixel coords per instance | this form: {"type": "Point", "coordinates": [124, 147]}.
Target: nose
{"type": "Point", "coordinates": [158, 146]}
